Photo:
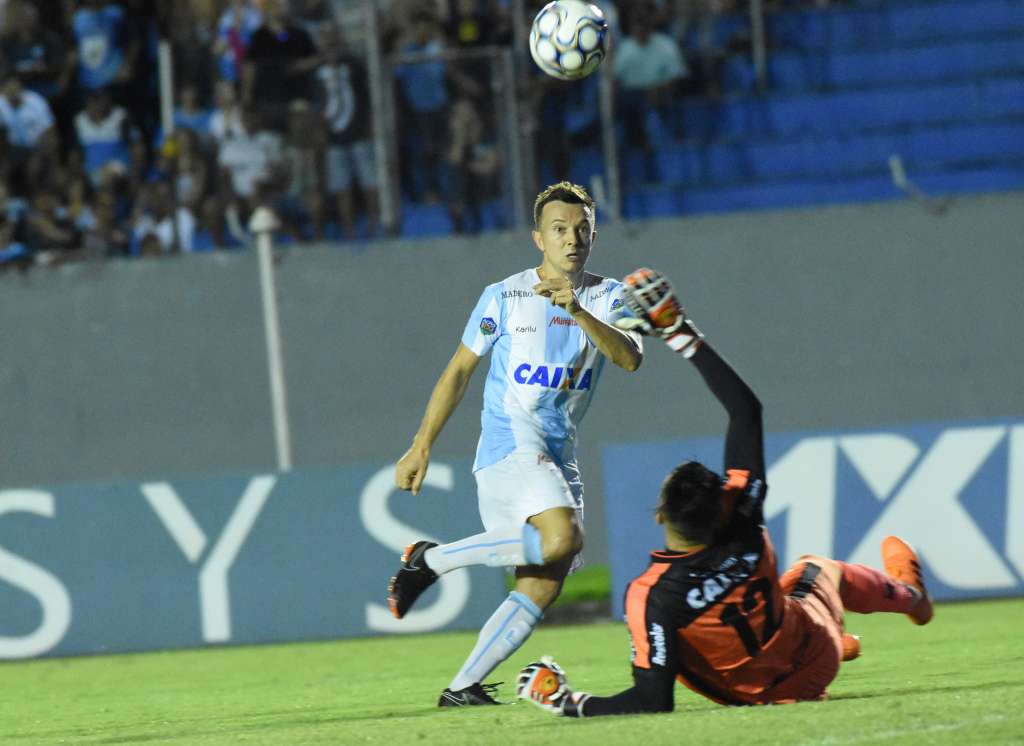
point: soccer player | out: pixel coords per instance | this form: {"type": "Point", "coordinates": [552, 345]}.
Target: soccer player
{"type": "Point", "coordinates": [710, 611]}
{"type": "Point", "coordinates": [548, 329]}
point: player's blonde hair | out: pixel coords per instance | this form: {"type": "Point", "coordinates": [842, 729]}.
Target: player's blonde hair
{"type": "Point", "coordinates": [563, 191]}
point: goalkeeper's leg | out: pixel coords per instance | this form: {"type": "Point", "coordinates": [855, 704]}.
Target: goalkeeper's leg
{"type": "Point", "coordinates": [899, 589]}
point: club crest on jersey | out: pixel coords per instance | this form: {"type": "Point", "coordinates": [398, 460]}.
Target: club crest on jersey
{"type": "Point", "coordinates": [617, 304]}
{"type": "Point", "coordinates": [487, 325]}
{"type": "Point", "coordinates": [553, 377]}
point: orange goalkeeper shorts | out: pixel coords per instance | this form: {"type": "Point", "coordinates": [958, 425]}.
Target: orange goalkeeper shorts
{"type": "Point", "coordinates": [817, 605]}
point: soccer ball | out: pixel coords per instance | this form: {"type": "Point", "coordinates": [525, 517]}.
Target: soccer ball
{"type": "Point", "coordinates": [569, 39]}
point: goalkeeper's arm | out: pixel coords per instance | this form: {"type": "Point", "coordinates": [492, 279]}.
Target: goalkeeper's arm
{"type": "Point", "coordinates": [744, 440]}
{"type": "Point", "coordinates": [656, 311]}
{"type": "Point", "coordinates": [652, 691]}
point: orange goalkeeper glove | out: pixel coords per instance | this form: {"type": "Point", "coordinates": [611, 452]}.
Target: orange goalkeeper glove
{"type": "Point", "coordinates": [656, 312]}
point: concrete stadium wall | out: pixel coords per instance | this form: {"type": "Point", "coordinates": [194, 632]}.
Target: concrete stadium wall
{"type": "Point", "coordinates": [847, 317]}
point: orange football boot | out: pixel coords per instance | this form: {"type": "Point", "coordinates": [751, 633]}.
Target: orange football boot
{"type": "Point", "coordinates": [900, 562]}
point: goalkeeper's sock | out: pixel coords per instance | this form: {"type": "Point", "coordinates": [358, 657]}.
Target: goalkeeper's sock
{"type": "Point", "coordinates": [866, 590]}
{"type": "Point", "coordinates": [505, 547]}
{"type": "Point", "coordinates": [507, 629]}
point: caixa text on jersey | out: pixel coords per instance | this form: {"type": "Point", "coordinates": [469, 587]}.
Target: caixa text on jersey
{"type": "Point", "coordinates": [553, 377]}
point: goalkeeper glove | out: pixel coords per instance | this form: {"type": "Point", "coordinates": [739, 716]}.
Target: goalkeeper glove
{"type": "Point", "coordinates": [544, 684]}
{"type": "Point", "coordinates": [656, 312]}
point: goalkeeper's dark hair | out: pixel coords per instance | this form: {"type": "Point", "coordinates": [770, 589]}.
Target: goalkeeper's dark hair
{"type": "Point", "coordinates": [563, 191]}
{"type": "Point", "coordinates": [691, 501]}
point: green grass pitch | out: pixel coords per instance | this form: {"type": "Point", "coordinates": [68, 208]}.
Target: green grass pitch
{"type": "Point", "coordinates": [959, 680]}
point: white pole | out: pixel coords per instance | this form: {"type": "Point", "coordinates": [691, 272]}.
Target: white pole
{"type": "Point", "coordinates": [612, 182]}
{"type": "Point", "coordinates": [262, 224]}
{"type": "Point", "coordinates": [166, 73]}
{"type": "Point", "coordinates": [379, 104]}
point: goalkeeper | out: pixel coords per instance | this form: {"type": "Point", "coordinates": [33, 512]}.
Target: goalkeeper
{"type": "Point", "coordinates": [711, 611]}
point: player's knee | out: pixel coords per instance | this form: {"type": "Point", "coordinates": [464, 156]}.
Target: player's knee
{"type": "Point", "coordinates": [560, 545]}
{"type": "Point", "coordinates": [542, 591]}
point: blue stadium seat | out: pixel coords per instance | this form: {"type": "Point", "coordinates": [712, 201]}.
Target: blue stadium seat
{"type": "Point", "coordinates": [652, 202]}
{"type": "Point", "coordinates": [202, 241]}
{"type": "Point", "coordinates": [421, 221]}
{"type": "Point", "coordinates": [938, 82]}
{"type": "Point", "coordinates": [809, 191]}
{"type": "Point", "coordinates": [493, 216]}
{"type": "Point", "coordinates": [943, 61]}
{"type": "Point", "coordinates": [745, 117]}
{"type": "Point", "coordinates": [586, 163]}
{"type": "Point", "coordinates": [894, 24]}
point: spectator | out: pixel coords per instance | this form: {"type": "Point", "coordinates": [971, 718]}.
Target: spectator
{"type": "Point", "coordinates": [105, 57]}
{"type": "Point", "coordinates": [153, 218]}
{"type": "Point", "coordinates": [78, 197]}
{"type": "Point", "coordinates": [105, 237]}
{"type": "Point", "coordinates": [14, 249]}
{"type": "Point", "coordinates": [105, 136]}
{"type": "Point", "coordinates": [467, 28]}
{"type": "Point", "coordinates": [149, 246]}
{"type": "Point", "coordinates": [143, 30]}
{"type": "Point", "coordinates": [50, 227]}
{"type": "Point", "coordinates": [424, 90]}
{"type": "Point", "coordinates": [189, 114]}
{"type": "Point", "coordinates": [191, 44]}
{"type": "Point", "coordinates": [350, 152]}
{"type": "Point", "coordinates": [248, 164]}
{"type": "Point", "coordinates": [311, 15]}
{"type": "Point", "coordinates": [226, 118]}
{"type": "Point", "coordinates": [34, 53]}
{"type": "Point", "coordinates": [302, 200]}
{"type": "Point", "coordinates": [191, 173]}
{"type": "Point", "coordinates": [647, 66]}
{"type": "Point", "coordinates": [29, 134]}
{"type": "Point", "coordinates": [473, 163]}
{"type": "Point", "coordinates": [235, 28]}
{"type": "Point", "coordinates": [278, 65]}
{"type": "Point", "coordinates": [569, 117]}
{"type": "Point", "coordinates": [476, 23]}
{"type": "Point", "coordinates": [697, 27]}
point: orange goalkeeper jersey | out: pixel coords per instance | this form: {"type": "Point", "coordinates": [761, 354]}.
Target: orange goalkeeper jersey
{"type": "Point", "coordinates": [717, 618]}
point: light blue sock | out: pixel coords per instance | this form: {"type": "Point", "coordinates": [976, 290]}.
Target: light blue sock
{"type": "Point", "coordinates": [502, 634]}
{"type": "Point", "coordinates": [506, 547]}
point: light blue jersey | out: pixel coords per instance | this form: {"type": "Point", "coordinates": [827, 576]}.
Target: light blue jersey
{"type": "Point", "coordinates": [544, 369]}
{"type": "Point", "coordinates": [99, 45]}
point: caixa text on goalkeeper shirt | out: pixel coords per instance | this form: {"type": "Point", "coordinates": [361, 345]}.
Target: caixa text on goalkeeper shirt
{"type": "Point", "coordinates": [954, 490]}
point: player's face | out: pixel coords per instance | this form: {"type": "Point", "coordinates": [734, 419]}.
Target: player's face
{"type": "Point", "coordinates": [565, 236]}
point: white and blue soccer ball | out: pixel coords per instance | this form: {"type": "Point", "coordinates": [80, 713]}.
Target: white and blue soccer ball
{"type": "Point", "coordinates": [569, 39]}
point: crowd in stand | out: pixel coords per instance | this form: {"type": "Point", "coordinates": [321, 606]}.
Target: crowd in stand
{"type": "Point", "coordinates": [272, 106]}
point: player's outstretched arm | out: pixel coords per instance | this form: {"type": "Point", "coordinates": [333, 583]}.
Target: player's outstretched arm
{"type": "Point", "coordinates": [448, 392]}
{"type": "Point", "coordinates": [621, 347]}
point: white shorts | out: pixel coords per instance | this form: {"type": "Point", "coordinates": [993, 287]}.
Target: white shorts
{"type": "Point", "coordinates": [525, 484]}
{"type": "Point", "coordinates": [346, 163]}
